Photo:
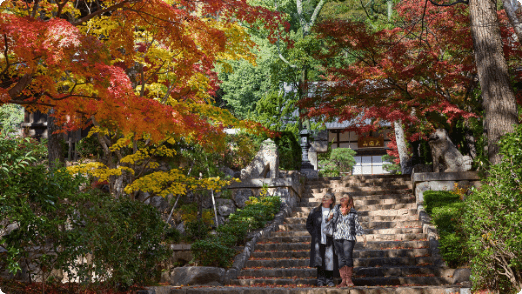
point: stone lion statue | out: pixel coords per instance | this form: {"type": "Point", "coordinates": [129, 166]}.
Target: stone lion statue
{"type": "Point", "coordinates": [446, 157]}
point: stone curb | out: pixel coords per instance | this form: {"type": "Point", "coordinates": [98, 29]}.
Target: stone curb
{"type": "Point", "coordinates": [303, 290]}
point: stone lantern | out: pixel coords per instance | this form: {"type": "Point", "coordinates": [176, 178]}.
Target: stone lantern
{"type": "Point", "coordinates": [305, 163]}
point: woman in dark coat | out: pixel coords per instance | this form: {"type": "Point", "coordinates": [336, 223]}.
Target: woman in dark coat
{"type": "Point", "coordinates": [322, 253]}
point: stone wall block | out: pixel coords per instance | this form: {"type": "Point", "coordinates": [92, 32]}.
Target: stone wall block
{"type": "Point", "coordinates": [225, 207]}
{"type": "Point", "coordinates": [420, 189]}
{"type": "Point", "coordinates": [461, 275]}
{"type": "Point", "coordinates": [241, 196]}
{"type": "Point", "coordinates": [195, 275]}
{"type": "Point", "coordinates": [442, 185]}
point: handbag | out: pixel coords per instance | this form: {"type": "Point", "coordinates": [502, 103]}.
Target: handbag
{"type": "Point", "coordinates": [329, 229]}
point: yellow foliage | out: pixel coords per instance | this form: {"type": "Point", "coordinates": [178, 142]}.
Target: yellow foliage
{"type": "Point", "coordinates": [462, 192]}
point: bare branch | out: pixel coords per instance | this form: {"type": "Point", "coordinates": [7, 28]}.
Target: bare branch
{"type": "Point", "coordinates": [101, 11]}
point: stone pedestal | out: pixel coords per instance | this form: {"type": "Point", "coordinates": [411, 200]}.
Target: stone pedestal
{"type": "Point", "coordinates": [442, 182]}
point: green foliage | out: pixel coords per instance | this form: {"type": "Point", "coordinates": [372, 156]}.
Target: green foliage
{"type": "Point", "coordinates": [233, 233]}
{"type": "Point", "coordinates": [11, 116]}
{"type": "Point", "coordinates": [212, 252]}
{"type": "Point", "coordinates": [172, 235]}
{"type": "Point", "coordinates": [341, 160]}
{"type": "Point", "coordinates": [89, 147]}
{"type": "Point", "coordinates": [197, 229]}
{"type": "Point", "coordinates": [257, 212]}
{"type": "Point", "coordinates": [493, 220]}
{"type": "Point", "coordinates": [390, 166]}
{"type": "Point", "coordinates": [446, 209]}
{"type": "Point", "coordinates": [289, 151]}
{"type": "Point", "coordinates": [217, 250]}
{"type": "Point", "coordinates": [59, 224]}
{"type": "Point", "coordinates": [275, 110]}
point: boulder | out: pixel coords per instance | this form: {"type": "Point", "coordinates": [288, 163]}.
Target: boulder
{"type": "Point", "coordinates": [266, 162]}
{"type": "Point", "coordinates": [181, 227]}
{"type": "Point", "coordinates": [225, 207]}
{"type": "Point", "coordinates": [194, 275]}
{"type": "Point", "coordinates": [242, 196]}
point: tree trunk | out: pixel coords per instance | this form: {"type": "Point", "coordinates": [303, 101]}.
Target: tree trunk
{"type": "Point", "coordinates": [511, 7]}
{"type": "Point", "coordinates": [54, 147]}
{"type": "Point", "coordinates": [390, 9]}
{"type": "Point", "coordinates": [401, 147]}
{"type": "Point", "coordinates": [497, 94]}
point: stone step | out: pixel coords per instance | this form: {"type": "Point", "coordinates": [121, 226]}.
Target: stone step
{"type": "Point", "coordinates": [363, 219]}
{"type": "Point", "coordinates": [363, 208]}
{"type": "Point", "coordinates": [356, 191]}
{"type": "Point", "coordinates": [374, 237]}
{"type": "Point", "coordinates": [358, 272]}
{"type": "Point", "coordinates": [300, 230]}
{"type": "Point", "coordinates": [366, 225]}
{"type": "Point", "coordinates": [266, 245]}
{"type": "Point", "coordinates": [362, 180]}
{"type": "Point", "coordinates": [358, 262]}
{"type": "Point", "coordinates": [383, 210]}
{"type": "Point", "coordinates": [310, 196]}
{"type": "Point", "coordinates": [316, 201]}
{"type": "Point", "coordinates": [361, 253]}
{"type": "Point", "coordinates": [302, 289]}
{"type": "Point", "coordinates": [361, 281]}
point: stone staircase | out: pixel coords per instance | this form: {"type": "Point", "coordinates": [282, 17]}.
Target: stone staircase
{"type": "Point", "coordinates": [397, 258]}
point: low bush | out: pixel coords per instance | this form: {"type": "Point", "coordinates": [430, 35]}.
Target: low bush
{"type": "Point", "coordinates": [213, 252]}
{"type": "Point", "coordinates": [197, 230]}
{"type": "Point", "coordinates": [257, 212]}
{"type": "Point", "coordinates": [446, 209]}
{"type": "Point", "coordinates": [218, 250]}
{"type": "Point", "coordinates": [493, 221]}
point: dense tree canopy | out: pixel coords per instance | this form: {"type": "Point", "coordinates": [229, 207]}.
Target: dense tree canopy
{"type": "Point", "coordinates": [422, 71]}
{"type": "Point", "coordinates": [143, 72]}
{"type": "Point", "coordinates": [143, 67]}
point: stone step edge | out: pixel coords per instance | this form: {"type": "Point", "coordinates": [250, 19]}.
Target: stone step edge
{"type": "Point", "coordinates": [455, 289]}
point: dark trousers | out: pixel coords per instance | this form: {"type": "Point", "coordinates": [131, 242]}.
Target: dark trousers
{"type": "Point", "coordinates": [323, 276]}
{"type": "Point", "coordinates": [344, 250]}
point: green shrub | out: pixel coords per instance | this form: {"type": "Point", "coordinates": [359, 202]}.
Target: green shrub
{"type": "Point", "coordinates": [341, 160]}
{"type": "Point", "coordinates": [233, 233]}
{"type": "Point", "coordinates": [257, 212]}
{"type": "Point", "coordinates": [493, 220]}
{"type": "Point", "coordinates": [172, 235]}
{"type": "Point", "coordinates": [289, 151]}
{"type": "Point", "coordinates": [59, 224]}
{"type": "Point", "coordinates": [89, 147]}
{"type": "Point", "coordinates": [446, 209]}
{"type": "Point", "coordinates": [218, 250]}
{"type": "Point", "coordinates": [197, 229]}
{"type": "Point", "coordinates": [212, 252]}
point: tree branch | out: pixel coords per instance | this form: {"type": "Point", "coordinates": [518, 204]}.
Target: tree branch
{"type": "Point", "coordinates": [101, 11]}
{"type": "Point", "coordinates": [449, 4]}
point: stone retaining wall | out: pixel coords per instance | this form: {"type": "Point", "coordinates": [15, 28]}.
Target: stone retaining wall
{"type": "Point", "coordinates": [442, 182]}
{"type": "Point", "coordinates": [427, 181]}
{"type": "Point", "coordinates": [289, 187]}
